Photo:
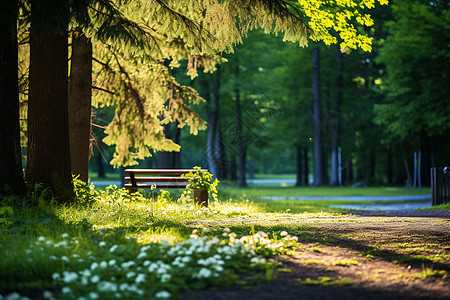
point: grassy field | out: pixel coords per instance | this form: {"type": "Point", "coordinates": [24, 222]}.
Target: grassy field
{"type": "Point", "coordinates": [112, 245]}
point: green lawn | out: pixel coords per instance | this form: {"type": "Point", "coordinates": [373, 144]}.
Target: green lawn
{"type": "Point", "coordinates": [114, 245]}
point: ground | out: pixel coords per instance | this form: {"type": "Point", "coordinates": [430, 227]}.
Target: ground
{"type": "Point", "coordinates": [365, 255]}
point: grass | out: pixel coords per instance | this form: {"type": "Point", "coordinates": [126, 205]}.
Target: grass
{"type": "Point", "coordinates": [112, 244]}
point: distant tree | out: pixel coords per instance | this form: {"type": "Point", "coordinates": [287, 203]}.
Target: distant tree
{"type": "Point", "coordinates": [414, 112]}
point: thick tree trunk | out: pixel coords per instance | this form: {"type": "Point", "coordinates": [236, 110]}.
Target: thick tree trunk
{"type": "Point", "coordinates": [48, 128]}
{"type": "Point", "coordinates": [80, 93]}
{"type": "Point", "coordinates": [334, 178]}
{"type": "Point", "coordinates": [317, 121]}
{"type": "Point", "coordinates": [11, 175]}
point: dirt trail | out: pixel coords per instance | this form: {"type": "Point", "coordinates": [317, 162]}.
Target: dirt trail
{"type": "Point", "coordinates": [367, 255]}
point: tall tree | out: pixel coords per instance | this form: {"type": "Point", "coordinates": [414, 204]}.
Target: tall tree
{"type": "Point", "coordinates": [80, 94]}
{"type": "Point", "coordinates": [317, 121]}
{"type": "Point", "coordinates": [48, 130]}
{"type": "Point", "coordinates": [335, 143]}
{"type": "Point", "coordinates": [11, 174]}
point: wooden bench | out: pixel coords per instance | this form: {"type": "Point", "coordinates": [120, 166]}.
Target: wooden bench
{"type": "Point", "coordinates": [162, 179]}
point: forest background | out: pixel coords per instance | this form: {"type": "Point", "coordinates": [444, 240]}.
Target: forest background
{"type": "Point", "coordinates": [386, 111]}
{"type": "Point", "coordinates": [330, 114]}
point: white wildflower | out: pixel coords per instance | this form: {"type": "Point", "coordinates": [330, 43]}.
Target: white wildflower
{"type": "Point", "coordinates": [104, 264]}
{"type": "Point", "coordinates": [56, 276]}
{"type": "Point", "coordinates": [93, 295]}
{"type": "Point", "coordinates": [66, 290]}
{"type": "Point", "coordinates": [165, 278]}
{"type": "Point", "coordinates": [283, 233]}
{"type": "Point", "coordinates": [102, 244]}
{"type": "Point", "coordinates": [95, 279]}
{"type": "Point", "coordinates": [226, 229]}
{"type": "Point", "coordinates": [47, 295]}
{"type": "Point", "coordinates": [41, 239]}
{"type": "Point", "coordinates": [131, 274]}
{"type": "Point", "coordinates": [112, 262]}
{"type": "Point", "coordinates": [94, 266]}
{"type": "Point", "coordinates": [162, 295]}
{"type": "Point", "coordinates": [65, 235]}
{"type": "Point", "coordinates": [141, 255]}
{"type": "Point", "coordinates": [140, 278]}
{"type": "Point", "coordinates": [113, 248]}
{"type": "Point", "coordinates": [204, 273]}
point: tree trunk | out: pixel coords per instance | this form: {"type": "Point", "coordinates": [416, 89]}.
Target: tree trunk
{"type": "Point", "coordinates": [11, 175]}
{"type": "Point", "coordinates": [80, 93]}
{"type": "Point", "coordinates": [334, 178]}
{"type": "Point", "coordinates": [299, 181]}
{"type": "Point", "coordinates": [317, 121]}
{"type": "Point", "coordinates": [232, 170]}
{"type": "Point", "coordinates": [242, 148]}
{"type": "Point", "coordinates": [306, 166]}
{"type": "Point", "coordinates": [219, 152]}
{"type": "Point", "coordinates": [48, 126]}
{"type": "Point", "coordinates": [99, 164]}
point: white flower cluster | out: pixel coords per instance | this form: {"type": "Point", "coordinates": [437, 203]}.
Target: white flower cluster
{"type": "Point", "coordinates": [106, 273]}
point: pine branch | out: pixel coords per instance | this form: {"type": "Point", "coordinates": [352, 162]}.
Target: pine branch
{"type": "Point", "coordinates": [103, 90]}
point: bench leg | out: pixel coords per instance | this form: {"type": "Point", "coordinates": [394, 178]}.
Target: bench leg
{"type": "Point", "coordinates": [201, 197]}
{"type": "Point", "coordinates": [132, 190]}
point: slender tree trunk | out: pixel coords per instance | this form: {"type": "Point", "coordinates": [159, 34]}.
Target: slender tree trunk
{"type": "Point", "coordinates": [48, 126]}
{"type": "Point", "coordinates": [334, 178]}
{"type": "Point", "coordinates": [232, 170]}
{"type": "Point", "coordinates": [80, 94]}
{"type": "Point", "coordinates": [242, 149]}
{"type": "Point", "coordinates": [389, 166]}
{"type": "Point", "coordinates": [317, 121]}
{"type": "Point", "coordinates": [306, 166]}
{"type": "Point", "coordinates": [213, 123]}
{"type": "Point", "coordinates": [299, 152]}
{"type": "Point", "coordinates": [11, 174]}
{"type": "Point", "coordinates": [100, 167]}
{"type": "Point", "coordinates": [408, 174]}
{"type": "Point", "coordinates": [219, 152]}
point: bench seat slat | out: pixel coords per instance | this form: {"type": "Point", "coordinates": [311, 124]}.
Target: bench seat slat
{"type": "Point", "coordinates": [157, 179]}
{"type": "Point", "coordinates": [159, 186]}
{"type": "Point", "coordinates": [159, 172]}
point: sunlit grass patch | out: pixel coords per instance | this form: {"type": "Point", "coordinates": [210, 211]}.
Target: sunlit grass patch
{"type": "Point", "coordinates": [119, 245]}
{"type": "Point", "coordinates": [327, 281]}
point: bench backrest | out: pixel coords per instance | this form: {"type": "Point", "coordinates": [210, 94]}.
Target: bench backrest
{"type": "Point", "coordinates": [161, 178]}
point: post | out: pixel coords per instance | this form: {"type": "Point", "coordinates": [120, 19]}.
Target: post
{"type": "Point", "coordinates": [134, 188]}
{"type": "Point", "coordinates": [201, 197]}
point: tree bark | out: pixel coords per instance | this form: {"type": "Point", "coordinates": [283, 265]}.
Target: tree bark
{"type": "Point", "coordinates": [317, 121]}
{"type": "Point", "coordinates": [299, 152]}
{"type": "Point", "coordinates": [242, 148]}
{"type": "Point", "coordinates": [306, 166]}
{"type": "Point", "coordinates": [334, 178]}
{"type": "Point", "coordinates": [48, 126]}
{"type": "Point", "coordinates": [11, 175]}
{"type": "Point", "coordinates": [80, 93]}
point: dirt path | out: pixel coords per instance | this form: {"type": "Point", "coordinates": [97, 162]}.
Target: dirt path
{"type": "Point", "coordinates": [375, 255]}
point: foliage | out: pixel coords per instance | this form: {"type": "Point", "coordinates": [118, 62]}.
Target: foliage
{"type": "Point", "coordinates": [202, 180]}
{"type": "Point", "coordinates": [328, 16]}
{"type": "Point", "coordinates": [95, 253]}
{"type": "Point", "coordinates": [415, 53]}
